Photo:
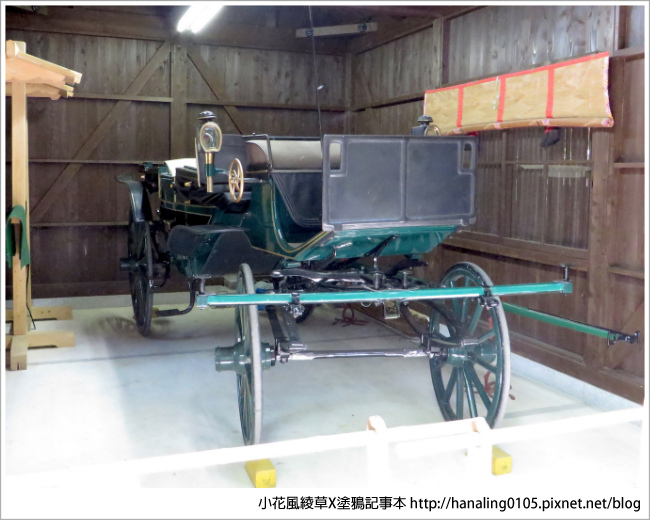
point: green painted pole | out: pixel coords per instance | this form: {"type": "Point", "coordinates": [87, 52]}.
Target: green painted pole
{"type": "Point", "coordinates": [556, 320]}
{"type": "Point", "coordinates": [225, 300]}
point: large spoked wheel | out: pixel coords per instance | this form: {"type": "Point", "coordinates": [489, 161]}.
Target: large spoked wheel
{"type": "Point", "coordinates": [249, 383]}
{"type": "Point", "coordinates": [141, 274]}
{"type": "Point", "coordinates": [471, 379]}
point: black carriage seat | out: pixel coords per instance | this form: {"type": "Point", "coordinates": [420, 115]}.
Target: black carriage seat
{"type": "Point", "coordinates": [296, 167]}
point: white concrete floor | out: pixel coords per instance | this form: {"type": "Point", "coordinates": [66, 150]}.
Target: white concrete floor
{"type": "Point", "coordinates": [117, 396]}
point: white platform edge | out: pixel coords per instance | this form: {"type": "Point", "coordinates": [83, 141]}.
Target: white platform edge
{"type": "Point", "coordinates": [590, 394]}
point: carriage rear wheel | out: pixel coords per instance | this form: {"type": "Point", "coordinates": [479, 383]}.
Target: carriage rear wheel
{"type": "Point", "coordinates": [249, 383]}
{"type": "Point", "coordinates": [477, 372]}
{"type": "Point", "coordinates": [140, 253]}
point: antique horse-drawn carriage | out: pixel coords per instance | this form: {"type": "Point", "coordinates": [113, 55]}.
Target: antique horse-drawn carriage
{"type": "Point", "coordinates": [312, 217]}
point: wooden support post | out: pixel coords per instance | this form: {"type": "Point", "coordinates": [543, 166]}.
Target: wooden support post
{"type": "Point", "coordinates": [599, 237]}
{"type": "Point", "coordinates": [22, 80]}
{"type": "Point", "coordinates": [19, 197]}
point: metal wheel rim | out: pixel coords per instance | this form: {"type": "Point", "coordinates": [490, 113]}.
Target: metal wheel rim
{"type": "Point", "coordinates": [140, 250]}
{"type": "Point", "coordinates": [249, 384]}
{"type": "Point", "coordinates": [464, 379]}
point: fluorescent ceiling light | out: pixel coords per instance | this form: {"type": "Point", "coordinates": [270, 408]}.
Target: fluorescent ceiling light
{"type": "Point", "coordinates": [198, 15]}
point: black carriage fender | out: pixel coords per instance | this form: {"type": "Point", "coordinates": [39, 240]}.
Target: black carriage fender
{"type": "Point", "coordinates": [136, 191]}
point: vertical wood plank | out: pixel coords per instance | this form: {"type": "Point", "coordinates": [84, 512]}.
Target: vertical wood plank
{"type": "Point", "coordinates": [20, 196]}
{"type": "Point", "coordinates": [599, 239]}
{"type": "Point", "coordinates": [348, 93]}
{"type": "Point", "coordinates": [178, 119]}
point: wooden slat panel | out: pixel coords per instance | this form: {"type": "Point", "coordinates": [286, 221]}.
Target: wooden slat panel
{"type": "Point", "coordinates": [627, 240]}
{"type": "Point", "coordinates": [404, 66]}
{"type": "Point", "coordinates": [92, 196]}
{"type": "Point", "coordinates": [488, 183]}
{"type": "Point", "coordinates": [397, 119]}
{"type": "Point", "coordinates": [496, 40]}
{"type": "Point", "coordinates": [108, 65]}
{"type": "Point", "coordinates": [528, 203]}
{"type": "Point", "coordinates": [567, 212]}
{"type": "Point", "coordinates": [633, 113]}
{"type": "Point", "coordinates": [100, 132]}
{"type": "Point", "coordinates": [268, 76]}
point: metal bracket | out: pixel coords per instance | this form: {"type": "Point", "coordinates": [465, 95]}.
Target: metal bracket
{"type": "Point", "coordinates": [393, 312]}
{"type": "Point", "coordinates": [488, 301]}
{"type": "Point", "coordinates": [615, 336]}
{"type": "Point", "coordinates": [285, 332]}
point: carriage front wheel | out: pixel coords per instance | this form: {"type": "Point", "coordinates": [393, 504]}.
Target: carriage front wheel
{"type": "Point", "coordinates": [249, 381]}
{"type": "Point", "coordinates": [140, 256]}
{"type": "Point", "coordinates": [475, 373]}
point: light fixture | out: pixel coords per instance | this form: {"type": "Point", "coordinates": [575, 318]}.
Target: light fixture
{"type": "Point", "coordinates": [198, 15]}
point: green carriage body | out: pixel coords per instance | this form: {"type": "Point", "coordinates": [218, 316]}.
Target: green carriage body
{"type": "Point", "coordinates": [276, 237]}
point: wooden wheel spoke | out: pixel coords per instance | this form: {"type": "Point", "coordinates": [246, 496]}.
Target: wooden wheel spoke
{"type": "Point", "coordinates": [490, 334]}
{"type": "Point", "coordinates": [471, 402]}
{"type": "Point", "coordinates": [460, 387]}
{"type": "Point", "coordinates": [475, 318]}
{"type": "Point", "coordinates": [486, 365]}
{"type": "Point", "coordinates": [450, 386]}
{"type": "Point", "coordinates": [473, 376]}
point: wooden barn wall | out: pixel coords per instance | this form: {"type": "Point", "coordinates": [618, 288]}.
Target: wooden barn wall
{"type": "Point", "coordinates": [78, 210]}
{"type": "Point", "coordinates": [383, 76]}
{"type": "Point", "coordinates": [531, 216]}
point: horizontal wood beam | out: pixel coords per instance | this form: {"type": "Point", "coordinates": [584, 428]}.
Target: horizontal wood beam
{"type": "Point", "coordinates": [122, 97]}
{"type": "Point", "coordinates": [625, 167]}
{"type": "Point", "coordinates": [539, 257]}
{"type": "Point", "coordinates": [85, 161]}
{"type": "Point", "coordinates": [398, 100]}
{"type": "Point", "coordinates": [79, 224]}
{"type": "Point", "coordinates": [639, 274]}
{"type": "Point", "coordinates": [630, 53]}
{"type": "Point", "coordinates": [98, 288]}
{"type": "Point", "coordinates": [256, 104]}
{"type": "Point", "coordinates": [212, 101]}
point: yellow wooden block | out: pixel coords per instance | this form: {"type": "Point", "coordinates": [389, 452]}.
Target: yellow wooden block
{"type": "Point", "coordinates": [261, 473]}
{"type": "Point", "coordinates": [501, 461]}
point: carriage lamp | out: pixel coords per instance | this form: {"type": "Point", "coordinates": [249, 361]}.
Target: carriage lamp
{"type": "Point", "coordinates": [209, 138]}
